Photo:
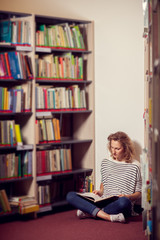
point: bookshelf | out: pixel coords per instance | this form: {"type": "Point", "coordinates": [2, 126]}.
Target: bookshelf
{"type": "Point", "coordinates": [17, 106]}
{"type": "Point", "coordinates": [150, 160]}
{"type": "Point", "coordinates": [76, 121]}
{"type": "Point", "coordinates": [56, 113]}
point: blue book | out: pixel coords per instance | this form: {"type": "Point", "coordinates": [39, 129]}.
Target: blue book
{"type": "Point", "coordinates": [14, 65]}
{"type": "Point", "coordinates": [61, 159]}
{"type": "Point", "coordinates": [5, 31]}
{"type": "Point", "coordinates": [14, 99]}
{"type": "Point", "coordinates": [10, 99]}
{"type": "Point", "coordinates": [29, 163]}
{"type": "Point", "coordinates": [11, 134]}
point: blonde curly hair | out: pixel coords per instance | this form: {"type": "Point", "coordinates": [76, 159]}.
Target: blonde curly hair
{"type": "Point", "coordinates": [126, 142]}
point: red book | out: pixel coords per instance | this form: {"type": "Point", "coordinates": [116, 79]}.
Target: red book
{"type": "Point", "coordinates": [43, 157]}
{"type": "Point", "coordinates": [8, 64]}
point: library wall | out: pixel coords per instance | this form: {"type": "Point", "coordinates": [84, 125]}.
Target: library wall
{"type": "Point", "coordinates": [119, 90]}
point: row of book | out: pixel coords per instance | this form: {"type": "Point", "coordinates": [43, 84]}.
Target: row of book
{"type": "Point", "coordinates": [15, 65]}
{"type": "Point", "coordinates": [15, 31]}
{"type": "Point", "coordinates": [44, 196]}
{"type": "Point", "coordinates": [50, 161]}
{"type": "Point", "coordinates": [62, 35]}
{"type": "Point", "coordinates": [47, 130]}
{"type": "Point", "coordinates": [26, 204]}
{"type": "Point", "coordinates": [65, 66]}
{"type": "Point", "coordinates": [55, 191]}
{"type": "Point", "coordinates": [15, 165]}
{"type": "Point", "coordinates": [17, 99]}
{"type": "Point", "coordinates": [71, 97]}
{"type": "Point", "coordinates": [10, 133]}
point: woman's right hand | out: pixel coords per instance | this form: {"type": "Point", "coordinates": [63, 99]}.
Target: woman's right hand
{"type": "Point", "coordinates": [98, 192]}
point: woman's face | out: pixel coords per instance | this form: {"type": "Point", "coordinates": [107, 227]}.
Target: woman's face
{"type": "Point", "coordinates": [117, 150]}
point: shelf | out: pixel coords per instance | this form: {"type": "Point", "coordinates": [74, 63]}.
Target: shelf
{"type": "Point", "coordinates": [18, 148]}
{"type": "Point", "coordinates": [15, 113]}
{"type": "Point", "coordinates": [45, 208]}
{"type": "Point", "coordinates": [50, 176]}
{"type": "Point", "coordinates": [15, 47]}
{"type": "Point", "coordinates": [48, 113]}
{"type": "Point", "coordinates": [59, 81]}
{"type": "Point", "coordinates": [15, 180]}
{"type": "Point", "coordinates": [45, 49]}
{"type": "Point", "coordinates": [49, 207]}
{"type": "Point", "coordinates": [15, 210]}
{"type": "Point", "coordinates": [63, 142]}
{"type": "Point", "coordinates": [17, 81]}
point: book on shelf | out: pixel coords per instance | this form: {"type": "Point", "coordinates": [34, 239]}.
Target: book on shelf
{"type": "Point", "coordinates": [16, 31]}
{"type": "Point", "coordinates": [5, 27]}
{"type": "Point", "coordinates": [15, 165]}
{"type": "Point", "coordinates": [60, 35]}
{"type": "Point", "coordinates": [50, 161]}
{"type": "Point", "coordinates": [10, 102]}
{"type": "Point", "coordinates": [18, 134]}
{"type": "Point", "coordinates": [29, 209]}
{"type": "Point", "coordinates": [64, 66]}
{"type": "Point", "coordinates": [48, 130]}
{"type": "Point", "coordinates": [4, 202]}
{"type": "Point", "coordinates": [44, 194]}
{"type": "Point", "coordinates": [7, 133]}
{"type": "Point", "coordinates": [60, 98]}
{"type": "Point", "coordinates": [26, 204]}
{"type": "Point", "coordinates": [96, 199]}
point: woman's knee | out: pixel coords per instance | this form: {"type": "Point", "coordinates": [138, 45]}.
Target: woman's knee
{"type": "Point", "coordinates": [124, 203]}
{"type": "Point", "coordinates": [70, 196]}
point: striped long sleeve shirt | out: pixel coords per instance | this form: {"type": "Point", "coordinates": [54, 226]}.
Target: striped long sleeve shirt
{"type": "Point", "coordinates": [120, 177]}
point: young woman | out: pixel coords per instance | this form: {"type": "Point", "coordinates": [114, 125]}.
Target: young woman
{"type": "Point", "coordinates": [121, 176]}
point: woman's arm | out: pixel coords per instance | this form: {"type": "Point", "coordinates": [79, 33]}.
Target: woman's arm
{"type": "Point", "coordinates": [132, 197]}
{"type": "Point", "coordinates": [99, 192]}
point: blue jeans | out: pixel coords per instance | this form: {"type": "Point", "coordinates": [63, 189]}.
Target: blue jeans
{"type": "Point", "coordinates": [122, 205]}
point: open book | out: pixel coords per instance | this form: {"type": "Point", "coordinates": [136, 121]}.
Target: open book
{"type": "Point", "coordinates": [97, 200]}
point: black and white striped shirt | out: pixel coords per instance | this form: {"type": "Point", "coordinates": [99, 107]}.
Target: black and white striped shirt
{"type": "Point", "coordinates": [120, 177]}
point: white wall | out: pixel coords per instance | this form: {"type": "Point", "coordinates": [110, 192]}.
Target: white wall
{"type": "Point", "coordinates": [118, 61]}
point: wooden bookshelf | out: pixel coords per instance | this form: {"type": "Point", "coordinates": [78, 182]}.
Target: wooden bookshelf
{"type": "Point", "coordinates": [22, 183]}
{"type": "Point", "coordinates": [77, 125]}
{"type": "Point", "coordinates": [76, 119]}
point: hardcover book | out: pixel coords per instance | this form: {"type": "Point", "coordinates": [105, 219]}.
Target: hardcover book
{"type": "Point", "coordinates": [97, 200]}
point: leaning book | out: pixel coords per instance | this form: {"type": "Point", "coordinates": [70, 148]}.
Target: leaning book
{"type": "Point", "coordinates": [97, 200]}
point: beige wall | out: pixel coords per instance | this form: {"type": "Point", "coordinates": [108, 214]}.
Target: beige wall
{"type": "Point", "coordinates": [118, 61]}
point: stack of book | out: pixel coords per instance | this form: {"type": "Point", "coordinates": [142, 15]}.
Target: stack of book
{"type": "Point", "coordinates": [26, 204]}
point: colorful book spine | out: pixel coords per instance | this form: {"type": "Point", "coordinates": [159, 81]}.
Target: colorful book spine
{"type": "Point", "coordinates": [18, 134]}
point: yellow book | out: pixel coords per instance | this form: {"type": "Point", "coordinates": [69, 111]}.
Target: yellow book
{"type": "Point", "coordinates": [18, 134]}
{"type": "Point", "coordinates": [5, 99]}
{"type": "Point", "coordinates": [29, 209]}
